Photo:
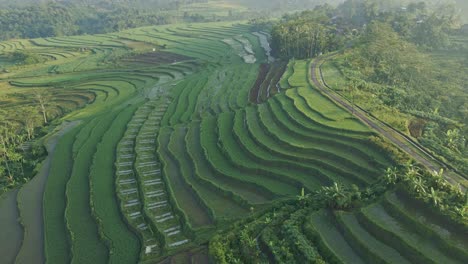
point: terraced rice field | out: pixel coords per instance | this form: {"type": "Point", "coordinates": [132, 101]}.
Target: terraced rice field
{"type": "Point", "coordinates": [178, 143]}
{"type": "Point", "coordinates": [396, 229]}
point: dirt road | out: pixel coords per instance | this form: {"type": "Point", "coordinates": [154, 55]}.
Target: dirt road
{"type": "Point", "coordinates": [11, 232]}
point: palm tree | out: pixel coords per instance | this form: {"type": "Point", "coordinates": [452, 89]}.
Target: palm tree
{"type": "Point", "coordinates": [411, 171]}
{"type": "Point", "coordinates": [435, 197]}
{"type": "Point", "coordinates": [418, 185]}
{"type": "Point", "coordinates": [337, 196]}
{"type": "Point", "coordinates": [301, 197]}
{"type": "Point", "coordinates": [391, 175]}
{"type": "Point", "coordinates": [437, 176]}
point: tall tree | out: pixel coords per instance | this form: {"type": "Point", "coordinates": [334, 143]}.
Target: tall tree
{"type": "Point", "coordinates": [43, 98]}
{"type": "Point", "coordinates": [30, 118]}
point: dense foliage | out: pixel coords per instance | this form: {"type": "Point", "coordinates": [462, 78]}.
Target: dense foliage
{"type": "Point", "coordinates": [50, 19]}
{"type": "Point", "coordinates": [304, 36]}
{"type": "Point", "coordinates": [326, 28]}
{"type": "Point", "coordinates": [17, 161]}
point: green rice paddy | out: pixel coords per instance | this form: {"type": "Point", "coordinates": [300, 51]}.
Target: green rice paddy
{"type": "Point", "coordinates": [170, 150]}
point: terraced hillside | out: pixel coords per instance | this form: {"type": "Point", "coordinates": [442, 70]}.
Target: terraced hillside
{"type": "Point", "coordinates": [396, 227]}
{"type": "Point", "coordinates": [183, 130]}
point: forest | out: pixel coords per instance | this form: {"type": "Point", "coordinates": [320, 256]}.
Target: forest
{"type": "Point", "coordinates": [66, 18]}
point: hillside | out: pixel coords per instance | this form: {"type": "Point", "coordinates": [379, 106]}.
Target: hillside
{"type": "Point", "coordinates": [198, 143]}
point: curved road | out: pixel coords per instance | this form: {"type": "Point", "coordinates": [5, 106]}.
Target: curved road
{"type": "Point", "coordinates": [30, 202]}
{"type": "Point", "coordinates": [416, 152]}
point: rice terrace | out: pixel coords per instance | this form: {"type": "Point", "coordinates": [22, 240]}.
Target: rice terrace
{"type": "Point", "coordinates": [233, 131]}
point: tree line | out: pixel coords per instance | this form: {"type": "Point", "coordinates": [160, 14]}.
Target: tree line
{"type": "Point", "coordinates": [51, 18]}
{"type": "Point", "coordinates": [326, 28]}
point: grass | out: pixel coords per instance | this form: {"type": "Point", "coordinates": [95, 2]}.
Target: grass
{"type": "Point", "coordinates": [261, 137]}
{"type": "Point", "coordinates": [217, 204]}
{"type": "Point", "coordinates": [316, 105]}
{"type": "Point", "coordinates": [86, 243]}
{"type": "Point", "coordinates": [123, 244]}
{"type": "Point", "coordinates": [310, 175]}
{"type": "Point", "coordinates": [393, 233]}
{"type": "Point", "coordinates": [368, 246]}
{"type": "Point", "coordinates": [333, 76]}
{"type": "Point", "coordinates": [321, 227]}
{"type": "Point", "coordinates": [354, 145]}
{"type": "Point", "coordinates": [235, 153]}
{"type": "Point", "coordinates": [247, 195]}
{"type": "Point", "coordinates": [92, 219]}
{"type": "Point", "coordinates": [186, 197]}
{"type": "Point", "coordinates": [445, 240]}
{"type": "Point", "coordinates": [203, 173]}
{"type": "Point", "coordinates": [56, 235]}
{"type": "Point", "coordinates": [267, 187]}
{"type": "Point", "coordinates": [313, 149]}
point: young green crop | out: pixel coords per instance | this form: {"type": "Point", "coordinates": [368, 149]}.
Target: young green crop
{"type": "Point", "coordinates": [86, 242]}
{"type": "Point", "coordinates": [123, 244]}
{"type": "Point", "coordinates": [57, 239]}
{"type": "Point", "coordinates": [187, 197]}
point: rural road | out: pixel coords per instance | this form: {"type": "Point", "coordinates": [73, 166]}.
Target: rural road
{"type": "Point", "coordinates": [393, 136]}
{"type": "Point", "coordinates": [30, 201]}
{"type": "Point", "coordinates": [11, 232]}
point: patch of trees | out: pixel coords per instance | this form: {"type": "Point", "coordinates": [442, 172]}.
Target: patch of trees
{"type": "Point", "coordinates": [24, 57]}
{"type": "Point", "coordinates": [64, 18]}
{"type": "Point", "coordinates": [18, 159]}
{"type": "Point", "coordinates": [305, 35]}
{"type": "Point", "coordinates": [326, 28]}
{"type": "Point", "coordinates": [20, 125]}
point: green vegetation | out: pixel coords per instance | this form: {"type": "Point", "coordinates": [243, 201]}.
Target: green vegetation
{"type": "Point", "coordinates": [417, 92]}
{"type": "Point", "coordinates": [383, 223]}
{"type": "Point", "coordinates": [82, 17]}
{"type": "Point", "coordinates": [122, 243]}
{"type": "Point", "coordinates": [57, 239]}
{"type": "Point", "coordinates": [188, 142]}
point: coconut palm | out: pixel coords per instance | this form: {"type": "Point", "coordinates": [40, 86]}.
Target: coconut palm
{"type": "Point", "coordinates": [338, 197]}
{"type": "Point", "coordinates": [437, 177]}
{"type": "Point", "coordinates": [418, 185]}
{"type": "Point", "coordinates": [411, 171]}
{"type": "Point", "coordinates": [391, 175]}
{"type": "Point", "coordinates": [435, 197]}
